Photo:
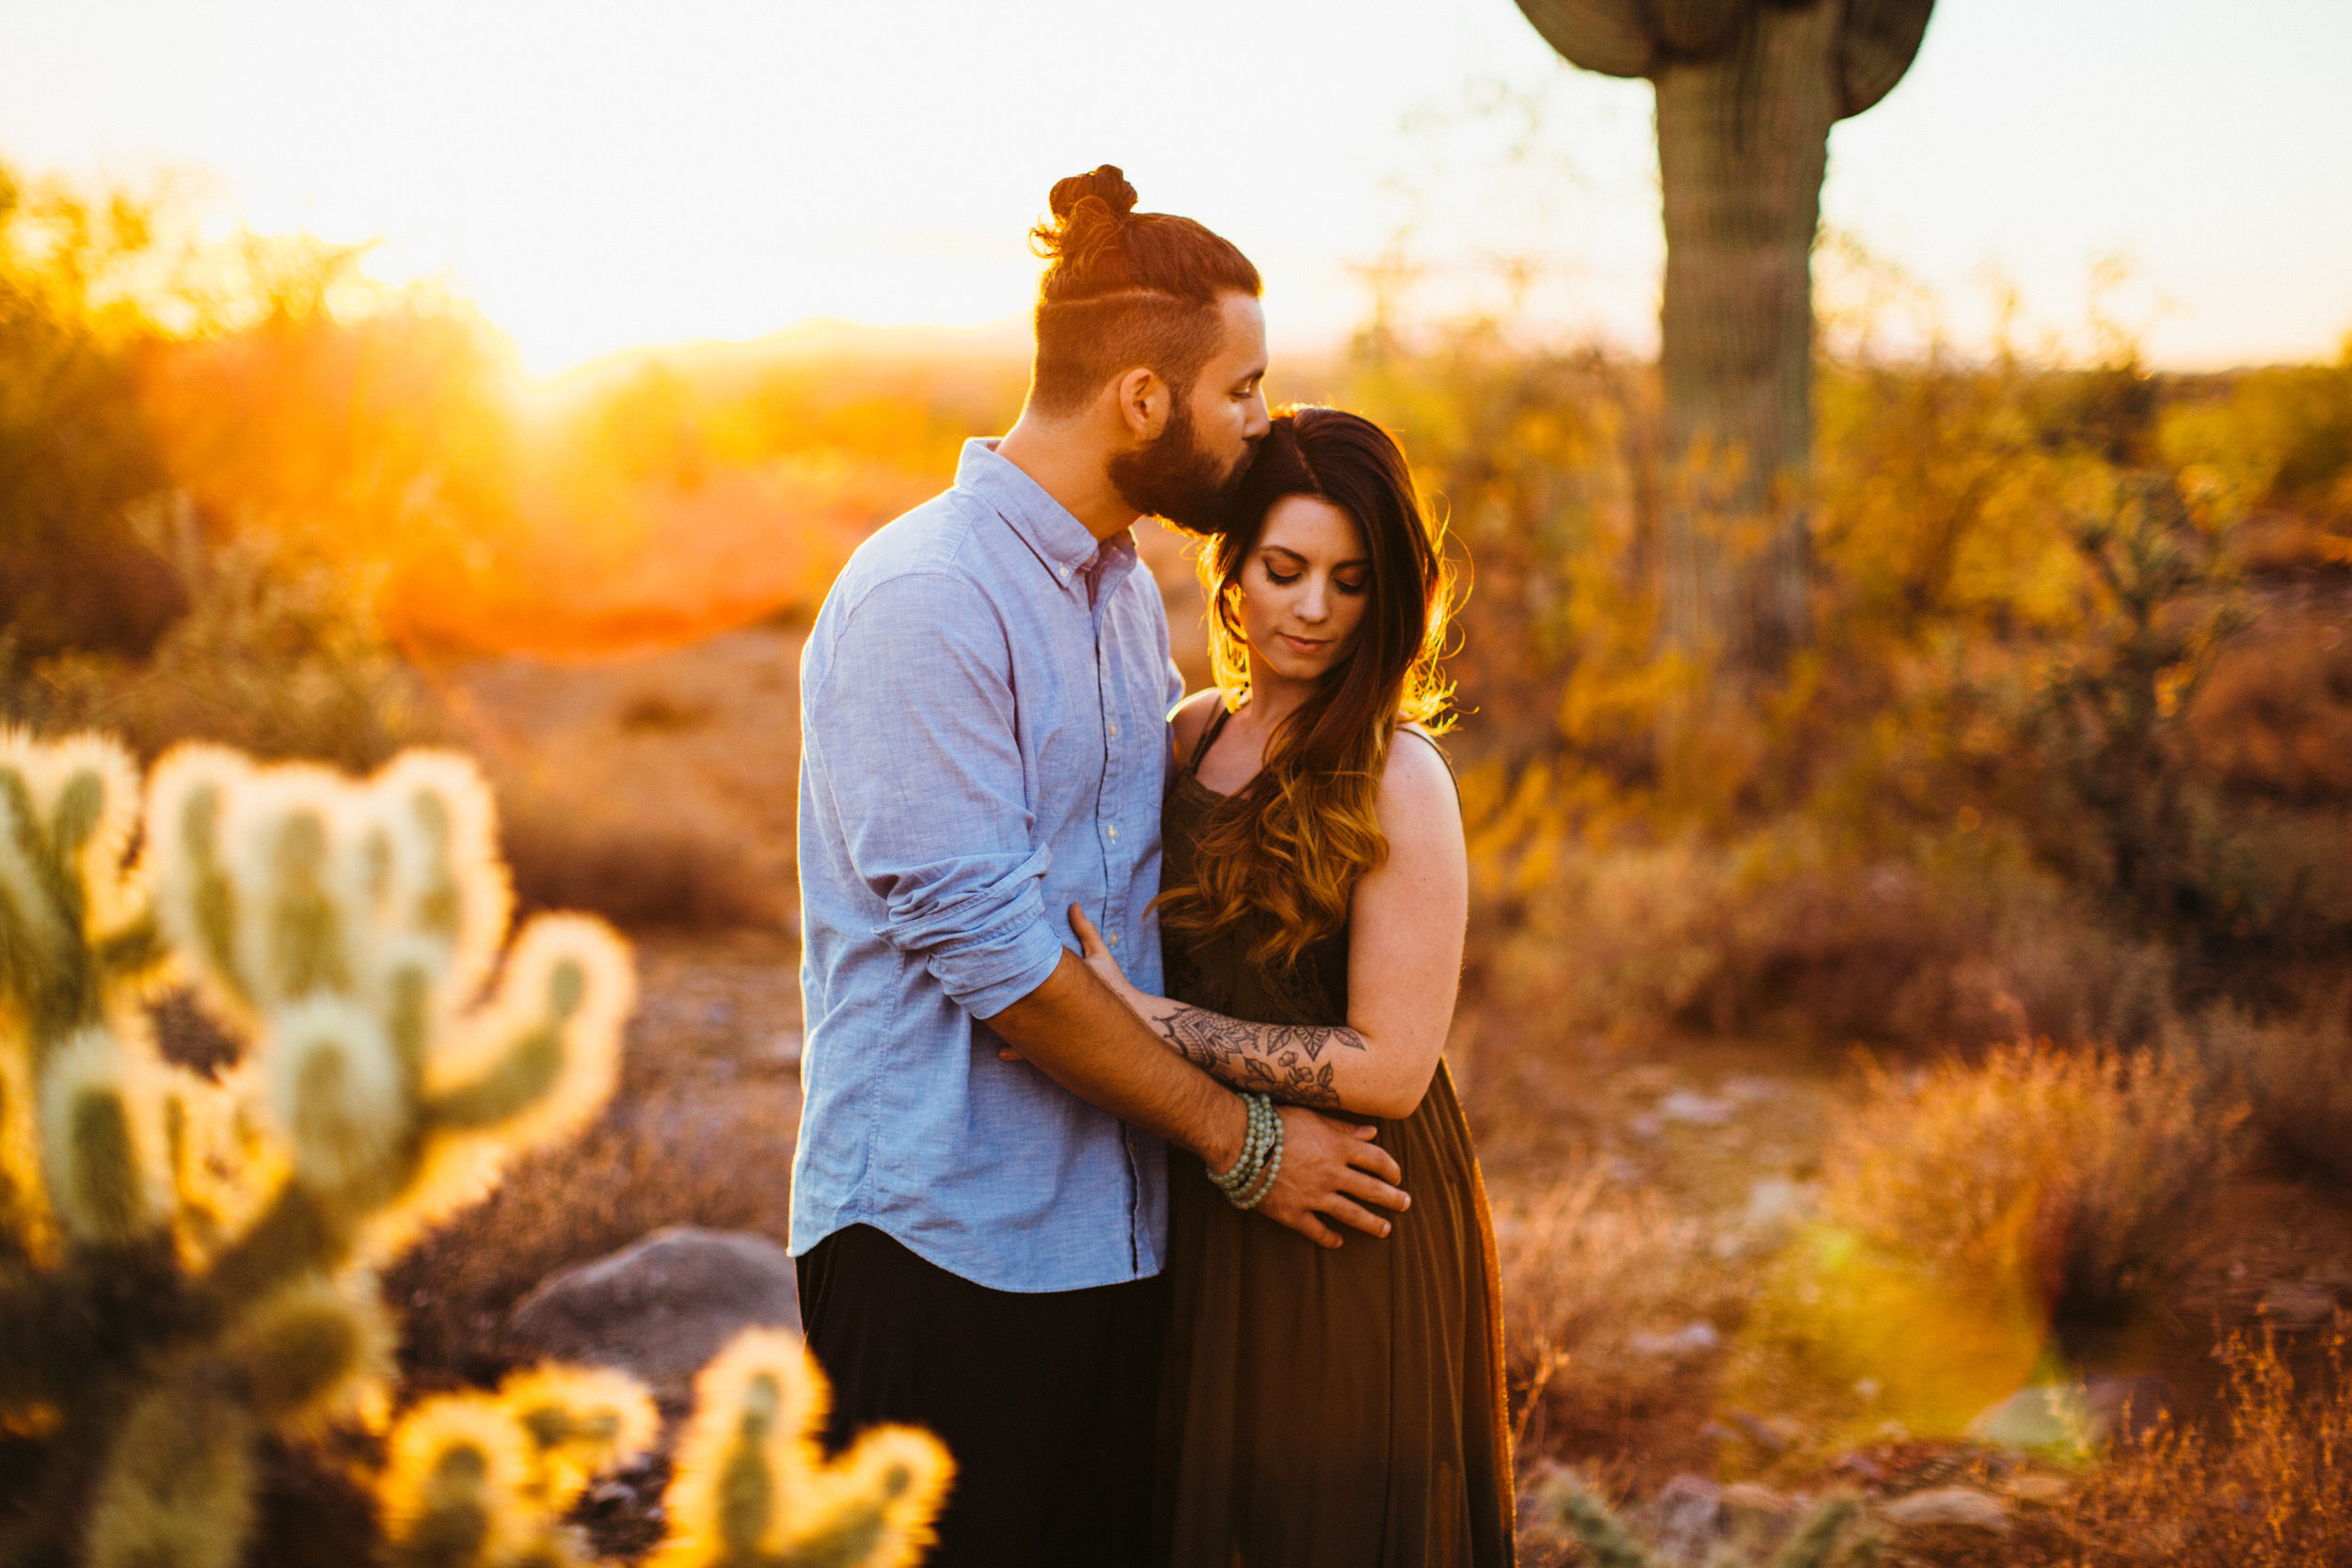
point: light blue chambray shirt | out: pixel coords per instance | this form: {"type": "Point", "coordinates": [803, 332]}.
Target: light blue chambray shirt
{"type": "Point", "coordinates": [984, 743]}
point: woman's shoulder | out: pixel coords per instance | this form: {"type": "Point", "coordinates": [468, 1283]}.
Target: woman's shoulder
{"type": "Point", "coordinates": [1417, 778]}
{"type": "Point", "coordinates": [1189, 718]}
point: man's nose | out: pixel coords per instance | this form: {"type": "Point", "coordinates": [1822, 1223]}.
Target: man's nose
{"type": "Point", "coordinates": [1259, 421]}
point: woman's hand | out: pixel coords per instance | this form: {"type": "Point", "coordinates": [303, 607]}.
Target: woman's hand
{"type": "Point", "coordinates": [1098, 958]}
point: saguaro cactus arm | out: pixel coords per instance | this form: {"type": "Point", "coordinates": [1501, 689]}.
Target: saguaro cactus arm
{"type": "Point", "coordinates": [1875, 48]}
{"type": "Point", "coordinates": [1610, 36]}
{"type": "Point", "coordinates": [1877, 39]}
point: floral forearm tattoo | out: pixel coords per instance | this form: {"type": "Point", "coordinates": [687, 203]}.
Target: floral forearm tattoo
{"type": "Point", "coordinates": [1285, 1060]}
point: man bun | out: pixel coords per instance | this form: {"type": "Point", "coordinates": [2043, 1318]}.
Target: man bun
{"type": "Point", "coordinates": [1089, 213]}
{"type": "Point", "coordinates": [1106, 185]}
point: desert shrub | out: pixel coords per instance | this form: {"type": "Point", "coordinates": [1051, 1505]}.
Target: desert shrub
{"type": "Point", "coordinates": [570, 855]}
{"type": "Point", "coordinates": [1586, 1266]}
{"type": "Point", "coordinates": [1960, 942]}
{"type": "Point", "coordinates": [75, 449]}
{"type": "Point", "coordinates": [278, 654]}
{"type": "Point", "coordinates": [2269, 1485]}
{"type": "Point", "coordinates": [2091, 1163]}
{"type": "Point", "coordinates": [2296, 1069]}
{"type": "Point", "coordinates": [1983, 1224]}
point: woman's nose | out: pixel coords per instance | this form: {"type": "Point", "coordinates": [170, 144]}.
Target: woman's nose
{"type": "Point", "coordinates": [1311, 604]}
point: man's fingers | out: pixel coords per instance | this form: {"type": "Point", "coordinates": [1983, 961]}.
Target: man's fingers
{"type": "Point", "coordinates": [1309, 1224]}
{"type": "Point", "coordinates": [1089, 940]}
{"type": "Point", "coordinates": [1370, 1189]}
{"type": "Point", "coordinates": [1376, 1160]}
{"type": "Point", "coordinates": [1349, 1212]}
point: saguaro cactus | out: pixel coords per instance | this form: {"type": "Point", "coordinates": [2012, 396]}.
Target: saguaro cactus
{"type": "Point", "coordinates": [1747, 90]}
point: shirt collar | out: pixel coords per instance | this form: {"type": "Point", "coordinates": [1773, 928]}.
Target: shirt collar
{"type": "Point", "coordinates": [1061, 543]}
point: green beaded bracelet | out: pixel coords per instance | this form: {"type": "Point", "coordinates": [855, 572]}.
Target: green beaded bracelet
{"type": "Point", "coordinates": [1260, 1139]}
{"type": "Point", "coordinates": [1251, 1177]}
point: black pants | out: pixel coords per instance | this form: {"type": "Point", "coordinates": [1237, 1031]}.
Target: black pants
{"type": "Point", "coordinates": [1046, 1401]}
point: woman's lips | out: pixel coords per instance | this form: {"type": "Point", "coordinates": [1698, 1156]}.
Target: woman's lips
{"type": "Point", "coordinates": [1303, 645]}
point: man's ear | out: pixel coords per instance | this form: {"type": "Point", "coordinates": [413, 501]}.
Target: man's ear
{"type": "Point", "coordinates": [1144, 403]}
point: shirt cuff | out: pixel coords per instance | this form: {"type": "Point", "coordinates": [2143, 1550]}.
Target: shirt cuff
{"type": "Point", "coordinates": [985, 982]}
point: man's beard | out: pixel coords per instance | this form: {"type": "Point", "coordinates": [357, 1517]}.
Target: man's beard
{"type": "Point", "coordinates": [1173, 477]}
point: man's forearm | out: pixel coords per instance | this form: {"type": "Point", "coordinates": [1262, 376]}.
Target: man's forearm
{"type": "Point", "coordinates": [1298, 1063]}
{"type": "Point", "coordinates": [1078, 1032]}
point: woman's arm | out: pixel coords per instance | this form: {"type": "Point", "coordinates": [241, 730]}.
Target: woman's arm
{"type": "Point", "coordinates": [1404, 963]}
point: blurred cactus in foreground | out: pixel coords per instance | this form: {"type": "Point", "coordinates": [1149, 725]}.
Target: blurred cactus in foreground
{"type": "Point", "coordinates": [1834, 1533]}
{"type": "Point", "coordinates": [750, 1488]}
{"type": "Point", "coordinates": [480, 1480]}
{"type": "Point", "coordinates": [184, 1263]}
{"type": "Point", "coordinates": [486, 1479]}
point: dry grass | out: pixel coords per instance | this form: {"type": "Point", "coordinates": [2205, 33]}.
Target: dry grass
{"type": "Point", "coordinates": [2270, 1487]}
{"type": "Point", "coordinates": [1588, 1268]}
{"type": "Point", "coordinates": [2296, 1071]}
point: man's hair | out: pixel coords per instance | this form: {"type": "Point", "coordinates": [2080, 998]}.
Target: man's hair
{"type": "Point", "coordinates": [1124, 288]}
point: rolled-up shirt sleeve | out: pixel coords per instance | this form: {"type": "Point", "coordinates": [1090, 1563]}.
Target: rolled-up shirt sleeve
{"type": "Point", "coordinates": [923, 766]}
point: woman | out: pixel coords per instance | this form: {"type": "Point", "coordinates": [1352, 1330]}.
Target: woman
{"type": "Point", "coordinates": [1329, 1404]}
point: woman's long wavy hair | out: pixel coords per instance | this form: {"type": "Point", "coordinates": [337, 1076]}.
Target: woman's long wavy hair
{"type": "Point", "coordinates": [1294, 842]}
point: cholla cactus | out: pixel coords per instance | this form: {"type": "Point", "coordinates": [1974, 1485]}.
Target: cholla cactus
{"type": "Point", "coordinates": [184, 1265]}
{"type": "Point", "coordinates": [752, 1489]}
{"type": "Point", "coordinates": [478, 1480]}
{"type": "Point", "coordinates": [483, 1480]}
{"type": "Point", "coordinates": [1833, 1534]}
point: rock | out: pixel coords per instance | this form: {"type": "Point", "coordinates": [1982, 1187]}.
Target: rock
{"type": "Point", "coordinates": [1698, 1110]}
{"type": "Point", "coordinates": [1752, 1497]}
{"type": "Point", "coordinates": [2045, 1417]}
{"type": "Point", "coordinates": [1776, 1202]}
{"type": "Point", "coordinates": [2126, 1407]}
{"type": "Point", "coordinates": [658, 1308]}
{"type": "Point", "coordinates": [1771, 1439]}
{"type": "Point", "coordinates": [2072, 1418]}
{"type": "Point", "coordinates": [1687, 1518]}
{"type": "Point", "coordinates": [1690, 1340]}
{"type": "Point", "coordinates": [1947, 1505]}
{"type": "Point", "coordinates": [2298, 1308]}
{"type": "Point", "coordinates": [2036, 1488]}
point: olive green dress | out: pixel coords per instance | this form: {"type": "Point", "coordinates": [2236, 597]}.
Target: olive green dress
{"type": "Point", "coordinates": [1327, 1408]}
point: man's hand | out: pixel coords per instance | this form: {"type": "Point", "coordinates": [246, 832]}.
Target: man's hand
{"type": "Point", "coordinates": [1331, 1168]}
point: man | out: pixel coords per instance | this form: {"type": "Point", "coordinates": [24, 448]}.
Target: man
{"type": "Point", "coordinates": [983, 716]}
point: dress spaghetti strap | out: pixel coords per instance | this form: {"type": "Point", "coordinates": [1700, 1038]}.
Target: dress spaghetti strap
{"type": "Point", "coordinates": [1208, 738]}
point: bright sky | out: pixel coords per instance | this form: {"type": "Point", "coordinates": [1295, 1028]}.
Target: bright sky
{"type": "Point", "coordinates": [598, 174]}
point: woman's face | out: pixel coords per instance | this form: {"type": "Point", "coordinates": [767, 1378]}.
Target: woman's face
{"type": "Point", "coordinates": [1304, 587]}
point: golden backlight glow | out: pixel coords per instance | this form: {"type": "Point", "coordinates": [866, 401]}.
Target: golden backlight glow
{"type": "Point", "coordinates": [602, 176]}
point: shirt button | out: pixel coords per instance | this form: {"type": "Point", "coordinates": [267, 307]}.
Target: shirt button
{"type": "Point", "coordinates": [1112, 830]}
{"type": "Point", "coordinates": [1112, 939]}
{"type": "Point", "coordinates": [1113, 729]}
